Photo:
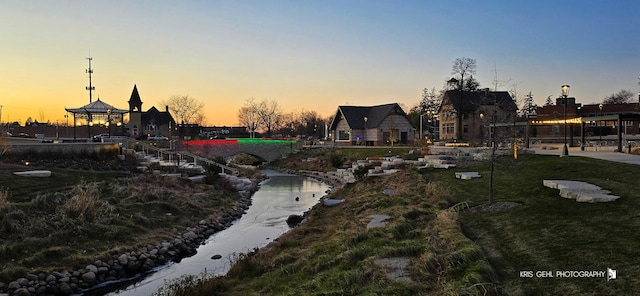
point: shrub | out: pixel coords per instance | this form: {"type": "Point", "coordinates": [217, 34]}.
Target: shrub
{"type": "Point", "coordinates": [360, 173]}
{"type": "Point", "coordinates": [336, 160]}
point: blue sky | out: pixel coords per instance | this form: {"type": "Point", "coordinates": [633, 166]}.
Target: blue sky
{"type": "Point", "coordinates": [307, 55]}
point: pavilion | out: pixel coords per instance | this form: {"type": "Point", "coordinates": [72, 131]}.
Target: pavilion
{"type": "Point", "coordinates": [98, 114]}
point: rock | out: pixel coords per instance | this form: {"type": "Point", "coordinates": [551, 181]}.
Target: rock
{"type": "Point", "coordinates": [51, 278]}
{"type": "Point", "coordinates": [91, 268]}
{"type": "Point", "coordinates": [103, 270]}
{"type": "Point", "coordinates": [65, 289]}
{"type": "Point", "coordinates": [22, 282]}
{"type": "Point", "coordinates": [21, 292]}
{"type": "Point", "coordinates": [332, 202]}
{"type": "Point", "coordinates": [89, 277]}
{"type": "Point", "coordinates": [147, 265]}
{"type": "Point", "coordinates": [13, 285]}
{"type": "Point", "coordinates": [294, 220]}
{"type": "Point", "coordinates": [134, 266]}
{"type": "Point", "coordinates": [389, 192]}
{"type": "Point", "coordinates": [189, 235]}
{"type": "Point", "coordinates": [32, 277]}
{"type": "Point", "coordinates": [123, 259]}
{"type": "Point", "coordinates": [216, 257]}
{"type": "Point", "coordinates": [53, 290]}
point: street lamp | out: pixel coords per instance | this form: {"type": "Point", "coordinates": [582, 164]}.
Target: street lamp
{"type": "Point", "coordinates": [365, 130]}
{"type": "Point", "coordinates": [481, 128]}
{"type": "Point", "coordinates": [565, 92]}
{"type": "Point", "coordinates": [109, 122]}
{"type": "Point", "coordinates": [600, 126]}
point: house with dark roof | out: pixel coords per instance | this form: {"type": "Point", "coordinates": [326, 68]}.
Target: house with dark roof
{"type": "Point", "coordinates": [372, 125]}
{"type": "Point", "coordinates": [149, 123]}
{"type": "Point", "coordinates": [468, 116]}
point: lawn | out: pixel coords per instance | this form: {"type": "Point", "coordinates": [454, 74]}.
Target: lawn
{"type": "Point", "coordinates": [550, 233]}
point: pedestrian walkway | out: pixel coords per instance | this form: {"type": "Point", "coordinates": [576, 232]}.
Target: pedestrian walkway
{"type": "Point", "coordinates": [607, 154]}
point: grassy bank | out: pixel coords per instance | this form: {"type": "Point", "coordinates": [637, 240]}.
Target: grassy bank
{"type": "Point", "coordinates": [77, 216]}
{"type": "Point", "coordinates": [453, 249]}
{"type": "Point", "coordinates": [549, 233]}
{"type": "Point", "coordinates": [335, 253]}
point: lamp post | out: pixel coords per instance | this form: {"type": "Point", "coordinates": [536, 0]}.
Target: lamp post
{"type": "Point", "coordinates": [599, 125]}
{"type": "Point", "coordinates": [365, 130]}
{"type": "Point", "coordinates": [109, 122]}
{"type": "Point", "coordinates": [66, 117]}
{"type": "Point", "coordinates": [565, 92]}
{"type": "Point", "coordinates": [481, 128]}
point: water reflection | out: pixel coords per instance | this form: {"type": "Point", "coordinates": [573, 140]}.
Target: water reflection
{"type": "Point", "coordinates": [264, 221]}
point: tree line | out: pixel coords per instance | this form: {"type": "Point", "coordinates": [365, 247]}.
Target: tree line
{"type": "Point", "coordinates": [266, 115]}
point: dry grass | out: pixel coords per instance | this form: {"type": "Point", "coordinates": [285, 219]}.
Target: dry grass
{"type": "Point", "coordinates": [79, 221]}
{"type": "Point", "coordinates": [85, 204]}
{"type": "Point", "coordinates": [436, 192]}
{"type": "Point", "coordinates": [4, 201]}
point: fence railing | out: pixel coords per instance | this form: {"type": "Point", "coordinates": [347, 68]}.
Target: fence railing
{"type": "Point", "coordinates": [173, 155]}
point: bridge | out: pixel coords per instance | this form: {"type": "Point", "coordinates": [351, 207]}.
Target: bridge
{"type": "Point", "coordinates": [264, 149]}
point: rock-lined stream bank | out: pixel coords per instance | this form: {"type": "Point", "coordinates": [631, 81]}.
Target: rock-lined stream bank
{"type": "Point", "coordinates": [134, 263]}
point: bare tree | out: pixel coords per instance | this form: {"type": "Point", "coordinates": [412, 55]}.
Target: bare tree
{"type": "Point", "coordinates": [622, 97]}
{"type": "Point", "coordinates": [249, 117]}
{"type": "Point", "coordinates": [270, 114]}
{"type": "Point", "coordinates": [465, 67]}
{"type": "Point", "coordinates": [184, 109]}
{"type": "Point", "coordinates": [200, 118]}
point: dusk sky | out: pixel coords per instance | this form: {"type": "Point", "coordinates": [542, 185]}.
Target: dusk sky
{"type": "Point", "coordinates": [307, 55]}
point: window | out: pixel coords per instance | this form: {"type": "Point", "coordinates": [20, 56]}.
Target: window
{"type": "Point", "coordinates": [343, 135]}
{"type": "Point", "coordinates": [465, 128]}
{"type": "Point", "coordinates": [448, 128]}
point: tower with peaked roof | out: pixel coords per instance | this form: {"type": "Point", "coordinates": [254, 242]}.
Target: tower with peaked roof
{"type": "Point", "coordinates": [135, 113]}
{"type": "Point", "coordinates": [152, 122]}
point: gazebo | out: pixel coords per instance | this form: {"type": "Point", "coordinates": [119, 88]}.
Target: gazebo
{"type": "Point", "coordinates": [99, 114]}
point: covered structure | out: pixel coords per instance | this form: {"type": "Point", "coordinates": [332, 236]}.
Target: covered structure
{"type": "Point", "coordinates": [592, 123]}
{"type": "Point", "coordinates": [372, 125]}
{"type": "Point", "coordinates": [98, 116]}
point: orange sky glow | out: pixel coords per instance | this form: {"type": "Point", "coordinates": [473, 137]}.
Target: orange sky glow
{"type": "Point", "coordinates": [305, 55]}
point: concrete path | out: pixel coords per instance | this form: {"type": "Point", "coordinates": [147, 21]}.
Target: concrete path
{"type": "Point", "coordinates": [608, 154]}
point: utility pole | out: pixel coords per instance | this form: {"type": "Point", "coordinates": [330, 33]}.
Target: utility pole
{"type": "Point", "coordinates": [90, 88]}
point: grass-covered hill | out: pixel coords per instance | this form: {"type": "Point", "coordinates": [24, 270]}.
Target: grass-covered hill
{"type": "Point", "coordinates": [453, 248]}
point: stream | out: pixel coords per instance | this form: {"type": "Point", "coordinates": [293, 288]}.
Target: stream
{"type": "Point", "coordinates": [263, 222]}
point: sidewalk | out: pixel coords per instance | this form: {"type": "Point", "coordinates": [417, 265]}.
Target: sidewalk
{"type": "Point", "coordinates": [605, 153]}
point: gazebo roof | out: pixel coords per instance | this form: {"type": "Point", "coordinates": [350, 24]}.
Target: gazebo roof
{"type": "Point", "coordinates": [97, 107]}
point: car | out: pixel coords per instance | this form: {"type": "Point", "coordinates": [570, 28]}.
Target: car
{"type": "Point", "coordinates": [100, 137]}
{"type": "Point", "coordinates": [157, 138]}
